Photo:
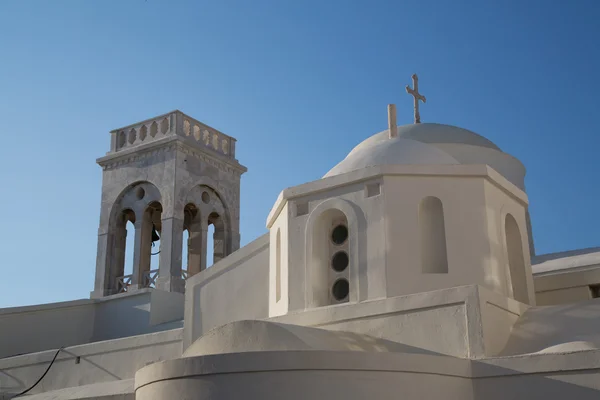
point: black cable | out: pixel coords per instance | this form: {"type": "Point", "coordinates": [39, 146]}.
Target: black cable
{"type": "Point", "coordinates": [153, 254]}
{"type": "Point", "coordinates": [42, 377]}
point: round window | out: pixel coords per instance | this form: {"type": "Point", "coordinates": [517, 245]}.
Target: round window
{"type": "Point", "coordinates": [339, 234]}
{"type": "Point", "coordinates": [341, 289]}
{"type": "Point", "coordinates": [340, 261]}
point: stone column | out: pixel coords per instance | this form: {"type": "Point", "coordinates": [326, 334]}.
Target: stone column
{"type": "Point", "coordinates": [197, 247]}
{"type": "Point", "coordinates": [218, 245]}
{"type": "Point", "coordinates": [117, 262]}
{"type": "Point", "coordinates": [145, 247]}
{"type": "Point", "coordinates": [102, 281]}
{"type": "Point", "coordinates": [136, 278]}
{"type": "Point", "coordinates": [235, 241]}
{"type": "Point", "coordinates": [169, 274]}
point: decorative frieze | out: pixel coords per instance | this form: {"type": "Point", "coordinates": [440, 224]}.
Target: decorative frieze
{"type": "Point", "coordinates": [170, 148]}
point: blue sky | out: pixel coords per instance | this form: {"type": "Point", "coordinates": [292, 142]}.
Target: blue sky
{"type": "Point", "coordinates": [298, 83]}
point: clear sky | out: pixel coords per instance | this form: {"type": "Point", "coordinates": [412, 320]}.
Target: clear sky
{"type": "Point", "coordinates": [298, 83]}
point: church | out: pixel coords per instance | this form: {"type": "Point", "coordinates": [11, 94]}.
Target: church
{"type": "Point", "coordinates": [407, 271]}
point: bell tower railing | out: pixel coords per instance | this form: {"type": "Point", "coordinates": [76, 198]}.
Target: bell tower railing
{"type": "Point", "coordinates": [148, 280]}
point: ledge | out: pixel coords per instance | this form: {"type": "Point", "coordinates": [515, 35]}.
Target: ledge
{"type": "Point", "coordinates": [353, 177]}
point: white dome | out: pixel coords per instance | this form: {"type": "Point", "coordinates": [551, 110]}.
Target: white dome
{"type": "Point", "coordinates": [431, 144]}
{"type": "Point", "coordinates": [431, 133]}
{"type": "Point", "coordinates": [396, 151]}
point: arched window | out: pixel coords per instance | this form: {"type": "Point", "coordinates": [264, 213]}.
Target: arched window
{"type": "Point", "coordinates": [278, 266]}
{"type": "Point", "coordinates": [516, 260]}
{"type": "Point", "coordinates": [432, 236]}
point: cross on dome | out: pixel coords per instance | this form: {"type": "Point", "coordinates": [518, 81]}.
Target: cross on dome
{"type": "Point", "coordinates": [417, 96]}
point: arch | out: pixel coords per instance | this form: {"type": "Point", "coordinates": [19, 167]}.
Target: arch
{"type": "Point", "coordinates": [131, 205]}
{"type": "Point", "coordinates": [432, 236]}
{"type": "Point", "coordinates": [516, 259]}
{"type": "Point", "coordinates": [127, 198]}
{"type": "Point", "coordinates": [119, 248]}
{"type": "Point", "coordinates": [205, 207]}
{"type": "Point", "coordinates": [315, 265]}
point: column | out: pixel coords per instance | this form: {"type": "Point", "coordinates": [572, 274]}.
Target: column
{"type": "Point", "coordinates": [136, 278]}
{"type": "Point", "coordinates": [197, 247]}
{"type": "Point", "coordinates": [218, 245]}
{"type": "Point", "coordinates": [169, 274]}
{"type": "Point", "coordinates": [102, 286]}
{"type": "Point", "coordinates": [145, 248]}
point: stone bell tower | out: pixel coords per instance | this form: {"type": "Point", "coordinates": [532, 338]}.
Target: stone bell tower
{"type": "Point", "coordinates": [165, 175]}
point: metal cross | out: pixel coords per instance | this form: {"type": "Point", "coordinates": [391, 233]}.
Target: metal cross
{"type": "Point", "coordinates": [417, 96]}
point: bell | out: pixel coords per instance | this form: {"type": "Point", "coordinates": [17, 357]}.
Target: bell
{"type": "Point", "coordinates": [155, 236]}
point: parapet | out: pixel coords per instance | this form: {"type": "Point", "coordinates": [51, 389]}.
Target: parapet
{"type": "Point", "coordinates": [174, 123]}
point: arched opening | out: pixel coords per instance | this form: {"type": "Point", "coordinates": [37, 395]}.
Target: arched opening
{"type": "Point", "coordinates": [329, 261]}
{"type": "Point", "coordinates": [129, 248]}
{"type": "Point", "coordinates": [278, 266]}
{"type": "Point", "coordinates": [215, 240]}
{"type": "Point", "coordinates": [516, 260]}
{"type": "Point", "coordinates": [205, 220]}
{"type": "Point", "coordinates": [432, 236]}
{"type": "Point", "coordinates": [124, 242]}
{"type": "Point", "coordinates": [185, 258]}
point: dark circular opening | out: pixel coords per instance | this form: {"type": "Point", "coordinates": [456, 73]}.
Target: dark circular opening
{"type": "Point", "coordinates": [339, 234]}
{"type": "Point", "coordinates": [205, 197]}
{"type": "Point", "coordinates": [340, 261]}
{"type": "Point", "coordinates": [340, 289]}
{"type": "Point", "coordinates": [140, 193]}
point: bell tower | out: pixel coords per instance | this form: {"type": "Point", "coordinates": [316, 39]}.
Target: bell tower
{"type": "Point", "coordinates": [166, 175]}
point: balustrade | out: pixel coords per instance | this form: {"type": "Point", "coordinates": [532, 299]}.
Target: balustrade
{"type": "Point", "coordinates": [173, 123]}
{"type": "Point", "coordinates": [148, 280]}
{"type": "Point", "coordinates": [123, 283]}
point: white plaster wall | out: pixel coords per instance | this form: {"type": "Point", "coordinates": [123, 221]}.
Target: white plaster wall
{"type": "Point", "coordinates": [499, 203]}
{"type": "Point", "coordinates": [137, 313]}
{"type": "Point", "coordinates": [444, 322]}
{"type": "Point", "coordinates": [467, 243]}
{"type": "Point", "coordinates": [558, 329]}
{"type": "Point", "coordinates": [538, 376]}
{"type": "Point", "coordinates": [50, 326]}
{"type": "Point", "coordinates": [281, 226]}
{"type": "Point", "coordinates": [566, 286]}
{"type": "Point", "coordinates": [563, 296]}
{"type": "Point", "coordinates": [99, 362]}
{"type": "Point", "coordinates": [233, 289]}
{"type": "Point", "coordinates": [498, 317]}
{"type": "Point", "coordinates": [354, 375]}
{"type": "Point", "coordinates": [306, 375]}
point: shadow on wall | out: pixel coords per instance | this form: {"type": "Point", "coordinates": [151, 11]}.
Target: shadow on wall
{"type": "Point", "coordinates": [560, 328]}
